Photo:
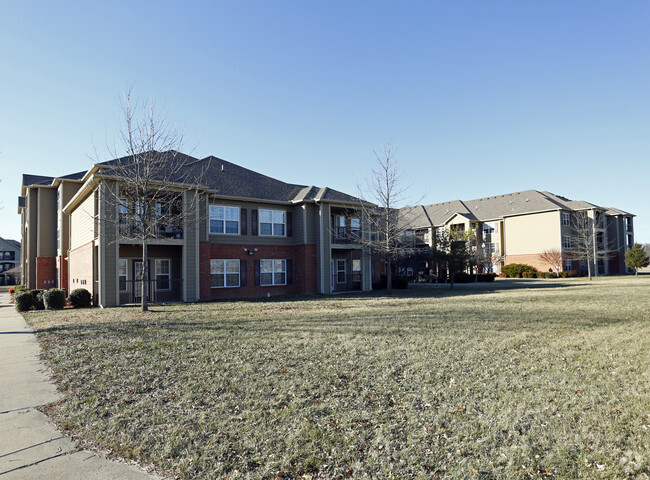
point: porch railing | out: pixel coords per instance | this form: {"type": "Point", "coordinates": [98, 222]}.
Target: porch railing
{"type": "Point", "coordinates": [161, 289]}
{"type": "Point", "coordinates": [345, 235]}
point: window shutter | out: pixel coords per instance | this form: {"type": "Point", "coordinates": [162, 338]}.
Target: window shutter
{"type": "Point", "coordinates": [254, 221]}
{"type": "Point", "coordinates": [242, 273]}
{"type": "Point", "coordinates": [242, 224]}
{"type": "Point", "coordinates": [289, 224]}
{"type": "Point", "coordinates": [257, 272]}
{"type": "Point", "coordinates": [289, 272]}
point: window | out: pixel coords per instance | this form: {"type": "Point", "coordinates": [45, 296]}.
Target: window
{"type": "Point", "coordinates": [224, 273]}
{"type": "Point", "coordinates": [272, 222]}
{"type": "Point", "coordinates": [340, 271]}
{"type": "Point", "coordinates": [628, 224]}
{"type": "Point", "coordinates": [566, 241]}
{"type": "Point", "coordinates": [566, 219]}
{"type": "Point", "coordinates": [339, 226]}
{"type": "Point", "coordinates": [273, 272]}
{"type": "Point", "coordinates": [355, 228]}
{"type": "Point", "coordinates": [224, 219]}
{"type": "Point", "coordinates": [568, 266]}
{"type": "Point", "coordinates": [123, 274]}
{"type": "Point", "coordinates": [163, 274]}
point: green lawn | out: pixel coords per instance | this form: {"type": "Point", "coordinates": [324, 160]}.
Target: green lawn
{"type": "Point", "coordinates": [516, 379]}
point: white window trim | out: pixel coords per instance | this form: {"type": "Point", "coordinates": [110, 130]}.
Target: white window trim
{"type": "Point", "coordinates": [119, 275]}
{"type": "Point", "coordinates": [566, 219]}
{"type": "Point", "coordinates": [224, 260]}
{"type": "Point", "coordinates": [224, 219]}
{"type": "Point", "coordinates": [259, 222]}
{"type": "Point", "coordinates": [273, 272]}
{"type": "Point", "coordinates": [345, 270]}
{"type": "Point", "coordinates": [169, 275]}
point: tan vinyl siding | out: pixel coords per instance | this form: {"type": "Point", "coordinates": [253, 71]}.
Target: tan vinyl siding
{"type": "Point", "coordinates": [67, 191]}
{"type": "Point", "coordinates": [82, 223]}
{"type": "Point", "coordinates": [325, 253]}
{"type": "Point", "coordinates": [534, 233]}
{"type": "Point", "coordinates": [108, 249]}
{"type": "Point", "coordinates": [32, 229]}
{"type": "Point", "coordinates": [47, 218]}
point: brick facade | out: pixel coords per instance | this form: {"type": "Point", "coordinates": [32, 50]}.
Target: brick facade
{"type": "Point", "coordinates": [62, 272]}
{"type": "Point", "coordinates": [45, 272]}
{"type": "Point", "coordinates": [80, 271]}
{"type": "Point", "coordinates": [532, 259]}
{"type": "Point", "coordinates": [302, 257]}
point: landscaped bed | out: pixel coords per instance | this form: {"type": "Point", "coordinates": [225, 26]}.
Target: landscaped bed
{"type": "Point", "coordinates": [516, 379]}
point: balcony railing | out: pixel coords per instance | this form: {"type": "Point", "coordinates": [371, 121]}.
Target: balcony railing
{"type": "Point", "coordinates": [158, 290]}
{"type": "Point", "coordinates": [345, 235]}
{"type": "Point", "coordinates": [133, 231]}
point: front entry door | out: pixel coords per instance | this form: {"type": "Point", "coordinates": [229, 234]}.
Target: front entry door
{"type": "Point", "coordinates": [140, 287]}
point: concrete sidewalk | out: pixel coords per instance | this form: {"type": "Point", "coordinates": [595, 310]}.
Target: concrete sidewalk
{"type": "Point", "coordinates": [30, 446]}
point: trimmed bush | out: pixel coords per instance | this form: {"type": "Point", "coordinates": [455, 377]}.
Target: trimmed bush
{"type": "Point", "coordinates": [54, 299]}
{"type": "Point", "coordinates": [23, 301]}
{"type": "Point", "coordinates": [517, 269]}
{"type": "Point", "coordinates": [486, 277]}
{"type": "Point", "coordinates": [80, 298]}
{"type": "Point", "coordinates": [528, 274]}
{"type": "Point", "coordinates": [37, 295]}
{"type": "Point", "coordinates": [463, 277]}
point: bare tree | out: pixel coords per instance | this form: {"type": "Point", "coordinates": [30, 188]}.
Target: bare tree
{"type": "Point", "coordinates": [388, 228]}
{"type": "Point", "coordinates": [586, 240]}
{"type": "Point", "coordinates": [149, 184]}
{"type": "Point", "coordinates": [554, 258]}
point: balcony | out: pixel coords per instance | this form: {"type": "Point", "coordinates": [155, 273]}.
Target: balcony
{"type": "Point", "coordinates": [345, 235]}
{"type": "Point", "coordinates": [128, 230]}
{"type": "Point", "coordinates": [158, 290]}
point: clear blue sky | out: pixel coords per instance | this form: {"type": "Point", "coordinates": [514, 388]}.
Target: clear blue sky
{"type": "Point", "coordinates": [480, 98]}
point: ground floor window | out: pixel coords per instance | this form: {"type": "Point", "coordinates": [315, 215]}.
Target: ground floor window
{"type": "Point", "coordinates": [273, 272]}
{"type": "Point", "coordinates": [123, 273]}
{"type": "Point", "coordinates": [568, 265]}
{"type": "Point", "coordinates": [340, 271]}
{"type": "Point", "coordinates": [224, 273]}
{"type": "Point", "coordinates": [163, 274]}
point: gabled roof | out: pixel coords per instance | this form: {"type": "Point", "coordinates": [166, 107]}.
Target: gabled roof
{"type": "Point", "coordinates": [227, 179]}
{"type": "Point", "coordinates": [500, 206]}
{"type": "Point", "coordinates": [12, 243]}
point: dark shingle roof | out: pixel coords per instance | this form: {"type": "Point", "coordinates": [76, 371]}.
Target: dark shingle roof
{"type": "Point", "coordinates": [500, 206]}
{"type": "Point", "coordinates": [231, 180]}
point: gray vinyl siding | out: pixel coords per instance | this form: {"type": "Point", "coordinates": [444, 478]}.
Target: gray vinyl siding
{"type": "Point", "coordinates": [191, 258]}
{"type": "Point", "coordinates": [108, 246]}
{"type": "Point", "coordinates": [325, 257]}
{"type": "Point", "coordinates": [313, 224]}
{"type": "Point", "coordinates": [295, 239]}
{"type": "Point", "coordinates": [32, 230]}
{"type": "Point", "coordinates": [47, 218]}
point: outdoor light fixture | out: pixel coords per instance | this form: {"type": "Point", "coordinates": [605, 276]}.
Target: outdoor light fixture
{"type": "Point", "coordinates": [250, 252]}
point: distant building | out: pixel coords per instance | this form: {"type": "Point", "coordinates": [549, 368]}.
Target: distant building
{"type": "Point", "coordinates": [9, 260]}
{"type": "Point", "coordinates": [519, 227]}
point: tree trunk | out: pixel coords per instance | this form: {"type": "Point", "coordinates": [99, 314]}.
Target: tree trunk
{"type": "Point", "coordinates": [145, 277]}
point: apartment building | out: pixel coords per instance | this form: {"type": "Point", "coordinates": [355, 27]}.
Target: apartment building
{"type": "Point", "coordinates": [9, 260]}
{"type": "Point", "coordinates": [519, 228]}
{"type": "Point", "coordinates": [244, 235]}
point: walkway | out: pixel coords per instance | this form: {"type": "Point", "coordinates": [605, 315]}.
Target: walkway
{"type": "Point", "coordinates": [30, 446]}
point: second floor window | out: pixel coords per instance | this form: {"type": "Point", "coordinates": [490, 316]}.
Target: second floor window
{"type": "Point", "coordinates": [566, 241]}
{"type": "Point", "coordinates": [566, 219]}
{"type": "Point", "coordinates": [272, 222]}
{"type": "Point", "coordinates": [224, 219]}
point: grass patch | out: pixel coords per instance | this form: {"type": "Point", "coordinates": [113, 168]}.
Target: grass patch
{"type": "Point", "coordinates": [516, 379]}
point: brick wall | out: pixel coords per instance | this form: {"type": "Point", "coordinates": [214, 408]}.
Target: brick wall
{"type": "Point", "coordinates": [80, 268]}
{"type": "Point", "coordinates": [303, 257]}
{"type": "Point", "coordinates": [45, 272]}
{"type": "Point", "coordinates": [532, 259]}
